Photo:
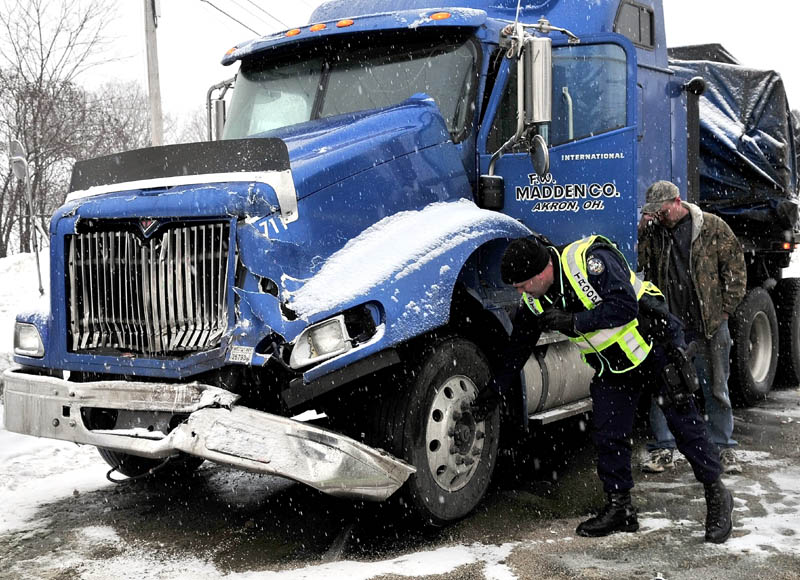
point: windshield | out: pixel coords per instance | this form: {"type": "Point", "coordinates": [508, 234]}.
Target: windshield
{"type": "Point", "coordinates": [352, 76]}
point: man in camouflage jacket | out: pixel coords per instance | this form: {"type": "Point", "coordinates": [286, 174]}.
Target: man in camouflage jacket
{"type": "Point", "coordinates": [696, 260]}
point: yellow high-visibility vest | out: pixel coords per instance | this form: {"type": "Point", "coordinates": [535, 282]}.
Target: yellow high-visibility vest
{"type": "Point", "coordinates": [619, 349]}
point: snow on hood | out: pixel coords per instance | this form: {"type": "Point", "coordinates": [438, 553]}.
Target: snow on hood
{"type": "Point", "coordinates": [392, 249]}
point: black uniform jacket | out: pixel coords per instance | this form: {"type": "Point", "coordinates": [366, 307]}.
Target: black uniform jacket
{"type": "Point", "coordinates": [610, 276]}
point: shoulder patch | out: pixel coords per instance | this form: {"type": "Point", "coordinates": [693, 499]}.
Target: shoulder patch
{"type": "Point", "coordinates": [595, 266]}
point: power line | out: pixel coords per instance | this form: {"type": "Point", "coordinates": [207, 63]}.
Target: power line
{"type": "Point", "coordinates": [231, 17]}
{"type": "Point", "coordinates": [268, 14]}
{"type": "Point", "coordinates": [251, 13]}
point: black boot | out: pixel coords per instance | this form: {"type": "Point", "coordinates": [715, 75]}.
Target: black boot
{"type": "Point", "coordinates": [719, 506]}
{"type": "Point", "coordinates": [618, 515]}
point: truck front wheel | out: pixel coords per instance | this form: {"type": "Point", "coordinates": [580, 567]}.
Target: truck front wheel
{"type": "Point", "coordinates": [429, 424]}
{"type": "Point", "coordinates": [754, 357]}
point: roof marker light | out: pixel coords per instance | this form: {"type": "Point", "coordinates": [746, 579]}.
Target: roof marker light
{"type": "Point", "coordinates": [343, 23]}
{"type": "Point", "coordinates": [293, 32]}
{"type": "Point", "coordinates": [318, 27]}
{"type": "Point", "coordinates": [231, 50]}
{"type": "Point", "coordinates": [440, 16]}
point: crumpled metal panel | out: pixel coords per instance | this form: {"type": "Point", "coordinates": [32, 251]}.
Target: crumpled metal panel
{"type": "Point", "coordinates": [216, 429]}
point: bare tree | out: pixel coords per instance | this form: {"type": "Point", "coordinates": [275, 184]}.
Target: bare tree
{"type": "Point", "coordinates": [191, 129]}
{"type": "Point", "coordinates": [118, 119]}
{"type": "Point", "coordinates": [44, 46]}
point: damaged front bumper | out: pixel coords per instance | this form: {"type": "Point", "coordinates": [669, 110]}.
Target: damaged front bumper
{"type": "Point", "coordinates": [215, 429]}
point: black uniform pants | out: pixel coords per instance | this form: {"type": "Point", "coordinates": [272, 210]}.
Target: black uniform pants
{"type": "Point", "coordinates": [615, 398]}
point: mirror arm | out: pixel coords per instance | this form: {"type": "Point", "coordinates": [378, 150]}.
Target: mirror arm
{"type": "Point", "coordinates": [544, 26]}
{"type": "Point", "coordinates": [222, 88]}
{"type": "Point", "coordinates": [570, 121]}
{"type": "Point", "coordinates": [520, 112]}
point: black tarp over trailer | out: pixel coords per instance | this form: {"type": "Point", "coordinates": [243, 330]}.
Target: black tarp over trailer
{"type": "Point", "coordinates": [748, 142]}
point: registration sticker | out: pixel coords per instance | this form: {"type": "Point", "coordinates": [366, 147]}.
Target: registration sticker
{"type": "Point", "coordinates": [241, 354]}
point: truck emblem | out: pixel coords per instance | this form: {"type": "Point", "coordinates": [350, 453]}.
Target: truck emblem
{"type": "Point", "coordinates": [148, 226]}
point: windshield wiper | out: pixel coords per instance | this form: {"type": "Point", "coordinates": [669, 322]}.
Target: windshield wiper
{"type": "Point", "coordinates": [322, 88]}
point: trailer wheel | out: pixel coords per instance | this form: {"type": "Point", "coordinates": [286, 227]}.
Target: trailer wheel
{"type": "Point", "coordinates": [429, 424]}
{"type": "Point", "coordinates": [135, 466]}
{"type": "Point", "coordinates": [754, 329]}
{"type": "Point", "coordinates": [787, 306]}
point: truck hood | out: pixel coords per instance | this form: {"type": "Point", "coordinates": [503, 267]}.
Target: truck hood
{"type": "Point", "coordinates": [346, 145]}
{"type": "Point", "coordinates": [257, 176]}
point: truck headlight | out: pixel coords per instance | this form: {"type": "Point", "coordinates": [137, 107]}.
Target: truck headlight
{"type": "Point", "coordinates": [27, 340]}
{"type": "Point", "coordinates": [320, 342]}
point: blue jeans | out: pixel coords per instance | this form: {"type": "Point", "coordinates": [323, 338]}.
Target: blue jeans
{"type": "Point", "coordinates": [712, 362]}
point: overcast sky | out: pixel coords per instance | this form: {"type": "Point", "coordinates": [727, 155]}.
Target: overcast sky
{"type": "Point", "coordinates": [193, 36]}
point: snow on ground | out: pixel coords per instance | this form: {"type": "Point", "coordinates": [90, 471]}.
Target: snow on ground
{"type": "Point", "coordinates": [775, 531]}
{"type": "Point", "coordinates": [772, 529]}
{"type": "Point", "coordinates": [138, 564]}
{"type": "Point", "coordinates": [19, 291]}
{"type": "Point", "coordinates": [34, 471]}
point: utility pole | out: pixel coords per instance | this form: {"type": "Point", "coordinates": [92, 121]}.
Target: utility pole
{"type": "Point", "coordinates": [156, 121]}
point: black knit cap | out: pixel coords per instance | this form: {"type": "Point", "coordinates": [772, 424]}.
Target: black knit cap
{"type": "Point", "coordinates": [523, 259]}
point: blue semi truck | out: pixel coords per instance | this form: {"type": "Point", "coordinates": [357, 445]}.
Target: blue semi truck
{"type": "Point", "coordinates": [335, 248]}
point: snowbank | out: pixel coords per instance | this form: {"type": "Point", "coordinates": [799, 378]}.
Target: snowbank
{"type": "Point", "coordinates": [19, 292]}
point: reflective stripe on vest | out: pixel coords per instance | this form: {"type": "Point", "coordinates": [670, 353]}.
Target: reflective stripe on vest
{"type": "Point", "coordinates": [627, 337]}
{"type": "Point", "coordinates": [573, 261]}
{"type": "Point", "coordinates": [533, 304]}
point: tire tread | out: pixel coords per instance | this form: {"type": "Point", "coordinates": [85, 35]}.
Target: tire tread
{"type": "Point", "coordinates": [744, 391]}
{"type": "Point", "coordinates": [786, 298]}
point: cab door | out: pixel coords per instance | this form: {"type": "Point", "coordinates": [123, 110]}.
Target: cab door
{"type": "Point", "coordinates": [590, 187]}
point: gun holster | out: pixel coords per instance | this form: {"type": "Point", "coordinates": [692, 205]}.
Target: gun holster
{"type": "Point", "coordinates": [680, 376]}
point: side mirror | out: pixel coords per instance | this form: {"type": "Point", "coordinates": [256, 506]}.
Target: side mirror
{"type": "Point", "coordinates": [19, 165]}
{"type": "Point", "coordinates": [219, 118]}
{"type": "Point", "coordinates": [540, 156]}
{"type": "Point", "coordinates": [537, 59]}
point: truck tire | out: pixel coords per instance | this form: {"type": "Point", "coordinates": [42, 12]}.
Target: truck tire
{"type": "Point", "coordinates": [754, 356]}
{"type": "Point", "coordinates": [135, 466]}
{"type": "Point", "coordinates": [786, 298]}
{"type": "Point", "coordinates": [429, 425]}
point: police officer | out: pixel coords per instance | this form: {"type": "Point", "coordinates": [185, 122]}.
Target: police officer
{"type": "Point", "coordinates": [624, 330]}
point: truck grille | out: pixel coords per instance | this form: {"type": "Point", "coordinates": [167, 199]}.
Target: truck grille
{"type": "Point", "coordinates": [158, 296]}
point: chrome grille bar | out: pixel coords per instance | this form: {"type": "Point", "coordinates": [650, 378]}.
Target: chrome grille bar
{"type": "Point", "coordinates": [164, 295]}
